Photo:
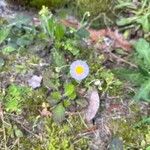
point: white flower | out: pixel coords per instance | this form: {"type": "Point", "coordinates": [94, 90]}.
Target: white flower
{"type": "Point", "coordinates": [97, 82]}
{"type": "Point", "coordinates": [79, 70]}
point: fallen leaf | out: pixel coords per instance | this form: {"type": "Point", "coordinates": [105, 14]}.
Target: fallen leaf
{"type": "Point", "coordinates": [95, 35]}
{"type": "Point", "coordinates": [118, 40]}
{"type": "Point", "coordinates": [45, 113]}
{"type": "Point", "coordinates": [93, 106]}
{"type": "Point", "coordinates": [35, 81]}
{"type": "Point", "coordinates": [70, 23]}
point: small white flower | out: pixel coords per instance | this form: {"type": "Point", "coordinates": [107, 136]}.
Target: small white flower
{"type": "Point", "coordinates": [88, 14]}
{"type": "Point", "coordinates": [79, 70]}
{"type": "Point", "coordinates": [97, 82]}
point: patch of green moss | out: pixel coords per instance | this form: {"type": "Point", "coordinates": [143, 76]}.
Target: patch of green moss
{"type": "Point", "coordinates": [52, 4]}
{"type": "Point", "coordinates": [95, 8]}
{"type": "Point", "coordinates": [15, 96]}
{"type": "Point", "coordinates": [20, 62]}
{"type": "Point", "coordinates": [133, 137]}
{"type": "Point", "coordinates": [64, 136]}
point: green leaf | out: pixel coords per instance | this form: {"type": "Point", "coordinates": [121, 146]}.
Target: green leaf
{"type": "Point", "coordinates": [59, 113]}
{"type": "Point", "coordinates": [8, 50]}
{"type": "Point", "coordinates": [134, 76]}
{"type": "Point", "coordinates": [126, 21]}
{"type": "Point", "coordinates": [59, 31]}
{"type": "Point", "coordinates": [144, 92]}
{"type": "Point", "coordinates": [145, 120]}
{"type": "Point", "coordinates": [143, 49]}
{"type": "Point", "coordinates": [66, 103]}
{"type": "Point", "coordinates": [145, 23]}
{"type": "Point", "coordinates": [54, 98]}
{"type": "Point", "coordinates": [58, 58]}
{"type": "Point", "coordinates": [51, 79]}
{"type": "Point", "coordinates": [56, 95]}
{"type": "Point", "coordinates": [125, 5]}
{"type": "Point", "coordinates": [12, 105]}
{"type": "Point", "coordinates": [72, 96]}
{"type": "Point", "coordinates": [73, 50]}
{"type": "Point", "coordinates": [69, 89]}
{"type": "Point", "coordinates": [14, 97]}
{"type": "Point", "coordinates": [21, 19]}
{"type": "Point", "coordinates": [83, 33]}
{"type": "Point", "coordinates": [50, 26]}
{"type": "Point", "coordinates": [4, 33]}
{"type": "Point", "coordinates": [18, 132]}
{"type": "Point", "coordinates": [148, 148]}
{"type": "Point", "coordinates": [71, 46]}
{"type": "Point", "coordinates": [25, 40]}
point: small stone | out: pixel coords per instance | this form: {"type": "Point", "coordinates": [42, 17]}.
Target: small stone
{"type": "Point", "coordinates": [35, 81]}
{"type": "Point", "coordinates": [93, 106]}
{"type": "Point", "coordinates": [116, 144]}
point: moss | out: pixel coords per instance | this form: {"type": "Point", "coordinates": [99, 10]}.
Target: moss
{"type": "Point", "coordinates": [132, 137]}
{"type": "Point", "coordinates": [2, 20]}
{"type": "Point", "coordinates": [57, 136]}
{"type": "Point", "coordinates": [52, 4]}
{"type": "Point", "coordinates": [64, 136]}
{"type": "Point", "coordinates": [20, 62]}
{"type": "Point", "coordinates": [96, 7]}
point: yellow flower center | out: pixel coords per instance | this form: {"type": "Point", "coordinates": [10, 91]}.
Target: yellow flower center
{"type": "Point", "coordinates": [79, 70]}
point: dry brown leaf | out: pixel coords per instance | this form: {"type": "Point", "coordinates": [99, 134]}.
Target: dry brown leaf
{"type": "Point", "coordinates": [93, 106]}
{"type": "Point", "coordinates": [45, 113]}
{"type": "Point", "coordinates": [95, 35]}
{"type": "Point", "coordinates": [119, 40]}
{"type": "Point", "coordinates": [70, 23]}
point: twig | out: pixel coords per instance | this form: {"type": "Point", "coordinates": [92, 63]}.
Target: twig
{"type": "Point", "coordinates": [119, 59]}
{"type": "Point", "coordinates": [4, 131]}
{"type": "Point", "coordinates": [97, 17]}
{"type": "Point", "coordinates": [15, 143]}
{"type": "Point", "coordinates": [91, 130]}
{"type": "Point", "coordinates": [122, 60]}
{"type": "Point", "coordinates": [126, 28]}
{"type": "Point", "coordinates": [25, 128]}
{"type": "Point", "coordinates": [94, 19]}
{"type": "Point", "coordinates": [82, 120]}
{"type": "Point", "coordinates": [147, 35]}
